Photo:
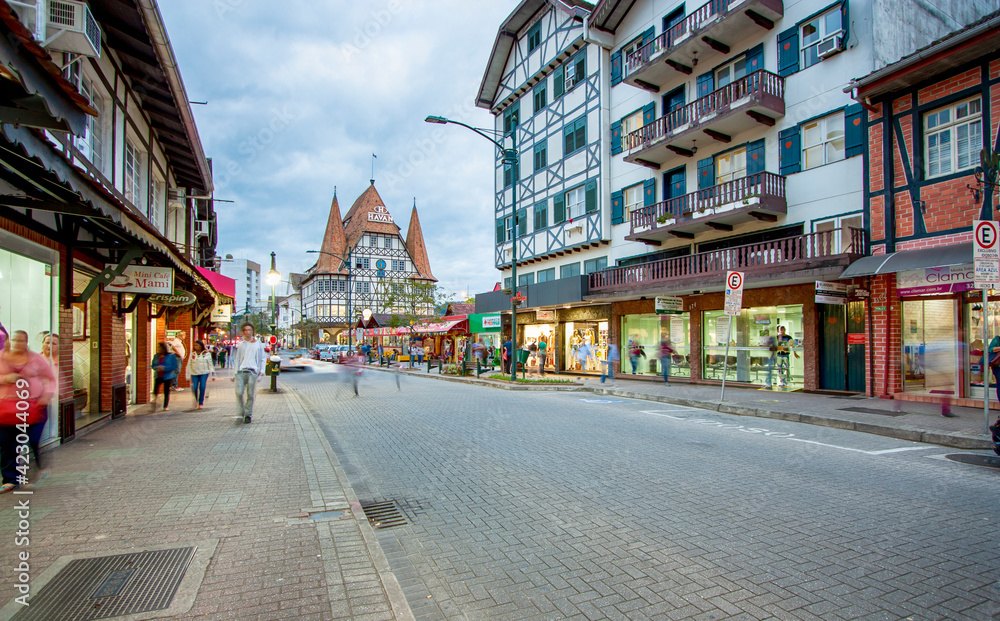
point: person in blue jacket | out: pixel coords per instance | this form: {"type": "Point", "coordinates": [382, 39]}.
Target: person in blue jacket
{"type": "Point", "coordinates": [165, 367]}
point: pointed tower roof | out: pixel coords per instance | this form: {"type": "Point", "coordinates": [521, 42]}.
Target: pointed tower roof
{"type": "Point", "coordinates": [334, 241]}
{"type": "Point", "coordinates": [368, 214]}
{"type": "Point", "coordinates": [416, 247]}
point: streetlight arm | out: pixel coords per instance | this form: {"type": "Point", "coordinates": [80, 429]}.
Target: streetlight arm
{"type": "Point", "coordinates": [440, 120]}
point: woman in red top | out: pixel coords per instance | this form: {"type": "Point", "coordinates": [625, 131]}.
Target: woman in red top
{"type": "Point", "coordinates": [25, 378]}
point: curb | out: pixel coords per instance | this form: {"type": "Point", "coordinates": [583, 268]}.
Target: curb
{"type": "Point", "coordinates": [950, 439]}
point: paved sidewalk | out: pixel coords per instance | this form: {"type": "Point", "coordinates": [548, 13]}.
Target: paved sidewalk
{"type": "Point", "coordinates": [279, 532]}
{"type": "Point", "coordinates": [906, 420]}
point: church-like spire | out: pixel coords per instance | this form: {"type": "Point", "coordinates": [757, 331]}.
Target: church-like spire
{"type": "Point", "coordinates": [334, 241]}
{"type": "Point", "coordinates": [416, 247]}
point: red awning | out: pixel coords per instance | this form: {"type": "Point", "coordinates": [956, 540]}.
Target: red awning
{"type": "Point", "coordinates": [456, 325]}
{"type": "Point", "coordinates": [223, 284]}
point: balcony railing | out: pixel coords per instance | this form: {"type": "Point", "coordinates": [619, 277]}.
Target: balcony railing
{"type": "Point", "coordinates": [748, 89]}
{"type": "Point", "coordinates": [666, 40]}
{"type": "Point", "coordinates": [754, 190]}
{"type": "Point", "coordinates": [779, 256]}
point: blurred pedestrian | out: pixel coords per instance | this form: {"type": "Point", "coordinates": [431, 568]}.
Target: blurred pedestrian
{"type": "Point", "coordinates": [198, 369]}
{"type": "Point", "coordinates": [666, 357]}
{"type": "Point", "coordinates": [608, 369]}
{"type": "Point", "coordinates": [249, 364]}
{"type": "Point", "coordinates": [221, 354]}
{"type": "Point", "coordinates": [27, 383]}
{"type": "Point", "coordinates": [542, 353]}
{"type": "Point", "coordinates": [165, 370]}
{"type": "Point", "coordinates": [178, 346]}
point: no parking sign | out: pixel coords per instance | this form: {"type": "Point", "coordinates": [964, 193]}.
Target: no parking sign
{"type": "Point", "coordinates": [986, 253]}
{"type": "Point", "coordinates": [734, 293]}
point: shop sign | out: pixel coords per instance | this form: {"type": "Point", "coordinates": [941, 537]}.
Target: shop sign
{"type": "Point", "coordinates": [177, 298]}
{"type": "Point", "coordinates": [951, 279]}
{"type": "Point", "coordinates": [540, 315]}
{"type": "Point", "coordinates": [734, 293]}
{"type": "Point", "coordinates": [762, 320]}
{"type": "Point", "coordinates": [222, 313]}
{"type": "Point", "coordinates": [831, 293]}
{"type": "Point", "coordinates": [379, 214]}
{"type": "Point", "coordinates": [669, 306]}
{"type": "Point", "coordinates": [142, 279]}
{"type": "Point", "coordinates": [855, 338]}
{"type": "Point", "coordinates": [879, 309]}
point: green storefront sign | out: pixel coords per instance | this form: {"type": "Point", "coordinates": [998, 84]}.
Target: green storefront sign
{"type": "Point", "coordinates": [480, 323]}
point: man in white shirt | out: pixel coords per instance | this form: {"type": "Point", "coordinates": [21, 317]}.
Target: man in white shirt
{"type": "Point", "coordinates": [248, 361]}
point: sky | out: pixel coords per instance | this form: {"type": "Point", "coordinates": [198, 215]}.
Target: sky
{"type": "Point", "coordinates": [301, 93]}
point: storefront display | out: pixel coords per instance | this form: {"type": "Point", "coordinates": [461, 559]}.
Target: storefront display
{"type": "Point", "coordinates": [764, 343]}
{"type": "Point", "coordinates": [974, 345]}
{"type": "Point", "coordinates": [535, 333]}
{"type": "Point", "coordinates": [649, 331]}
{"type": "Point", "coordinates": [586, 346]}
{"type": "Point", "coordinates": [929, 336]}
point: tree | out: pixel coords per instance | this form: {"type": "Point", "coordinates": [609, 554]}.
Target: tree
{"type": "Point", "coordinates": [408, 300]}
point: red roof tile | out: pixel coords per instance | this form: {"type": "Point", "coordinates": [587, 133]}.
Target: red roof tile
{"type": "Point", "coordinates": [418, 250]}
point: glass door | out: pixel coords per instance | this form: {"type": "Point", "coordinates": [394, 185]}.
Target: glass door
{"type": "Point", "coordinates": [974, 346]}
{"type": "Point", "coordinates": [930, 352]}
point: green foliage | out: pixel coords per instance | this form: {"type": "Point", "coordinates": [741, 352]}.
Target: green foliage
{"type": "Point", "coordinates": [520, 380]}
{"type": "Point", "coordinates": [407, 300]}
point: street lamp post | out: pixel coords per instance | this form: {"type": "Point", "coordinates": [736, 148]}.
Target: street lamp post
{"type": "Point", "coordinates": [510, 157]}
{"type": "Point", "coordinates": [350, 314]}
{"type": "Point", "coordinates": [273, 278]}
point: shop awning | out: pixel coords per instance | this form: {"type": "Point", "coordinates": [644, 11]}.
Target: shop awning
{"type": "Point", "coordinates": [223, 284]}
{"type": "Point", "coordinates": [457, 325]}
{"type": "Point", "coordinates": [481, 323]}
{"type": "Point", "coordinates": [905, 260]}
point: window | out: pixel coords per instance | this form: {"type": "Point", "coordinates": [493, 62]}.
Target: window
{"type": "Point", "coordinates": [133, 173]}
{"type": "Point", "coordinates": [158, 199]}
{"type": "Point", "coordinates": [362, 263]}
{"type": "Point", "coordinates": [632, 122]}
{"type": "Point", "coordinates": [511, 117]}
{"type": "Point", "coordinates": [539, 96]}
{"type": "Point", "coordinates": [575, 136]}
{"type": "Point", "coordinates": [818, 29]}
{"type": "Point", "coordinates": [387, 242]}
{"type": "Point", "coordinates": [508, 227]}
{"type": "Point", "coordinates": [541, 155]}
{"type": "Point", "coordinates": [365, 287]}
{"type": "Point", "coordinates": [731, 72]}
{"type": "Point", "coordinates": [342, 286]}
{"type": "Point", "coordinates": [632, 199]}
{"type": "Point", "coordinates": [842, 237]}
{"type": "Point", "coordinates": [525, 279]}
{"type": "Point", "coordinates": [953, 137]}
{"type": "Point", "coordinates": [546, 275]}
{"type": "Point", "coordinates": [509, 174]}
{"type": "Point", "coordinates": [823, 141]}
{"type": "Point", "coordinates": [731, 165]}
{"type": "Point", "coordinates": [398, 265]}
{"type": "Point", "coordinates": [575, 202]}
{"type": "Point", "coordinates": [576, 69]}
{"type": "Point", "coordinates": [595, 265]}
{"type": "Point", "coordinates": [534, 37]}
{"type": "Point", "coordinates": [566, 271]}
{"type": "Point", "coordinates": [506, 283]}
{"type": "Point", "coordinates": [372, 241]}
{"type": "Point", "coordinates": [541, 215]}
{"type": "Point", "coordinates": [91, 144]}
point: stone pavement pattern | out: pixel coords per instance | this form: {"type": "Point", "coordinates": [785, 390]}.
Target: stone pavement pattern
{"type": "Point", "coordinates": [538, 505]}
{"type": "Point", "coordinates": [187, 476]}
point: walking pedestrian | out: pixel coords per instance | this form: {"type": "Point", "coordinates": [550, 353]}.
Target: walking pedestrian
{"type": "Point", "coordinates": [181, 353]}
{"type": "Point", "coordinates": [26, 386]}
{"type": "Point", "coordinates": [542, 347]}
{"type": "Point", "coordinates": [198, 369]}
{"type": "Point", "coordinates": [222, 356]}
{"type": "Point", "coordinates": [633, 356]}
{"type": "Point", "coordinates": [608, 369]}
{"type": "Point", "coordinates": [508, 355]}
{"type": "Point", "coordinates": [666, 356]}
{"type": "Point", "coordinates": [249, 364]}
{"type": "Point", "coordinates": [784, 345]}
{"type": "Point", "coordinates": [165, 366]}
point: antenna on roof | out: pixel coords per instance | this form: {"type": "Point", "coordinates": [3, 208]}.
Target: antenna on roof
{"type": "Point", "coordinates": [335, 191]}
{"type": "Point", "coordinates": [374, 157]}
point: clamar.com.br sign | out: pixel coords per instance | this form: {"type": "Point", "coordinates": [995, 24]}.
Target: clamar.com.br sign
{"type": "Point", "coordinates": [142, 279]}
{"type": "Point", "coordinates": [177, 298]}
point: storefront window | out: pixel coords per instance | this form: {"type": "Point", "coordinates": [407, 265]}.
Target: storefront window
{"type": "Point", "coordinates": [974, 345]}
{"type": "Point", "coordinates": [648, 331]}
{"type": "Point", "coordinates": [534, 333]}
{"type": "Point", "coordinates": [754, 332]}
{"type": "Point", "coordinates": [26, 304]}
{"type": "Point", "coordinates": [929, 346]}
{"type": "Point", "coordinates": [586, 345]}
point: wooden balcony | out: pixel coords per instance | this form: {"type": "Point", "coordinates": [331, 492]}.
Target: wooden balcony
{"type": "Point", "coordinates": [704, 35]}
{"type": "Point", "coordinates": [760, 196]}
{"type": "Point", "coordinates": [811, 255]}
{"type": "Point", "coordinates": [758, 98]}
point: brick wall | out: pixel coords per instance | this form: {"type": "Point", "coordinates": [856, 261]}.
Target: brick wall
{"type": "Point", "coordinates": [886, 336]}
{"type": "Point", "coordinates": [112, 346]}
{"type": "Point", "coordinates": [143, 356]}
{"type": "Point", "coordinates": [947, 86]}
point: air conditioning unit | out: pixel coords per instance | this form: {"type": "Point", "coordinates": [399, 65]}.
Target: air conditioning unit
{"type": "Point", "coordinates": [64, 26]}
{"type": "Point", "coordinates": [176, 196]}
{"type": "Point", "coordinates": [200, 228]}
{"type": "Point", "coordinates": [830, 46]}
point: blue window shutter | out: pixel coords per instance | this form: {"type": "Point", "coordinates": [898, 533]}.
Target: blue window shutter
{"type": "Point", "coordinates": [854, 130]}
{"type": "Point", "coordinates": [789, 150]}
{"type": "Point", "coordinates": [580, 129]}
{"type": "Point", "coordinates": [569, 145]}
{"type": "Point", "coordinates": [522, 222]}
{"type": "Point", "coordinates": [755, 157]}
{"type": "Point", "coordinates": [649, 113]}
{"type": "Point", "coordinates": [616, 67]}
{"type": "Point", "coordinates": [616, 138]}
{"type": "Point", "coordinates": [649, 35]}
{"type": "Point", "coordinates": [559, 208]}
{"type": "Point", "coordinates": [559, 82]}
{"type": "Point", "coordinates": [590, 196]}
{"type": "Point", "coordinates": [617, 208]}
{"type": "Point", "coordinates": [706, 84]}
{"type": "Point", "coordinates": [788, 51]}
{"type": "Point", "coordinates": [755, 58]}
{"type": "Point", "coordinates": [501, 236]}
{"type": "Point", "coordinates": [706, 173]}
{"type": "Point", "coordinates": [649, 192]}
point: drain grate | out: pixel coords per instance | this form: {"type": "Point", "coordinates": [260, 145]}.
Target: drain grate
{"type": "Point", "coordinates": [110, 586]}
{"type": "Point", "coordinates": [384, 514]}
{"type": "Point", "coordinates": [976, 460]}
{"type": "Point", "coordinates": [873, 411]}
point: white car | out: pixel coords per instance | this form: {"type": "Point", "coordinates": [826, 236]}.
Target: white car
{"type": "Point", "coordinates": [326, 352]}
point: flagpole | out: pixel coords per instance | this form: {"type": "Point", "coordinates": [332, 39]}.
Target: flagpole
{"type": "Point", "coordinates": [374, 157]}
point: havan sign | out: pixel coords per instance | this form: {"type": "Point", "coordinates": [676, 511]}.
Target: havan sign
{"type": "Point", "coordinates": [379, 214]}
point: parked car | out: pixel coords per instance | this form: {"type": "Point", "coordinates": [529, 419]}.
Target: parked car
{"type": "Point", "coordinates": [320, 350]}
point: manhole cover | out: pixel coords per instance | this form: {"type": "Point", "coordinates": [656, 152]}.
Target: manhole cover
{"type": "Point", "coordinates": [873, 411]}
{"type": "Point", "coordinates": [383, 514]}
{"type": "Point", "coordinates": [976, 460]}
{"type": "Point", "coordinates": [111, 586]}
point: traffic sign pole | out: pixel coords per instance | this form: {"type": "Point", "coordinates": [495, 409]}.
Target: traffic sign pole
{"type": "Point", "coordinates": [986, 256]}
{"type": "Point", "coordinates": [733, 308]}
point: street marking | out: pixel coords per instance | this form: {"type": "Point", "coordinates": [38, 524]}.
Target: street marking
{"type": "Point", "coordinates": [602, 400]}
{"type": "Point", "coordinates": [901, 449]}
